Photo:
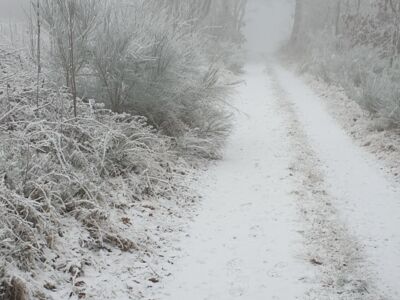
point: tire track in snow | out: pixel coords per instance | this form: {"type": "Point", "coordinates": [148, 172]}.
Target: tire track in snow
{"type": "Point", "coordinates": [273, 224]}
{"type": "Point", "coordinates": [342, 271]}
{"type": "Point", "coordinates": [245, 243]}
{"type": "Point", "coordinates": [367, 202]}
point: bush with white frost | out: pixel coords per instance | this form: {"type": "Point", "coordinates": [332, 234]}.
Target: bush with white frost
{"type": "Point", "coordinates": [159, 73]}
{"type": "Point", "coordinates": [151, 58]}
{"type": "Point", "coordinates": [53, 165]}
{"type": "Point", "coordinates": [355, 45]}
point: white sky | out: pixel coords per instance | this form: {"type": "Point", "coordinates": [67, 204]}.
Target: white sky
{"type": "Point", "coordinates": [269, 23]}
{"type": "Point", "coordinates": [12, 9]}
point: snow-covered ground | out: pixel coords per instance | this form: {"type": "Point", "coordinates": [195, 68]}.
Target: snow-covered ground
{"type": "Point", "coordinates": [367, 200]}
{"type": "Point", "coordinates": [294, 211]}
{"type": "Point", "coordinates": [245, 242]}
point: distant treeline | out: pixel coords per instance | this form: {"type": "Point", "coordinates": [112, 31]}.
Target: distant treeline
{"type": "Point", "coordinates": [355, 43]}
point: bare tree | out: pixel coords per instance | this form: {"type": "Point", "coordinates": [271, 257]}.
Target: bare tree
{"type": "Point", "coordinates": [38, 51]}
{"type": "Point", "coordinates": [69, 25]}
{"type": "Point", "coordinates": [395, 7]}
{"type": "Point", "coordinates": [114, 57]}
{"type": "Point", "coordinates": [297, 22]}
{"type": "Point", "coordinates": [337, 16]}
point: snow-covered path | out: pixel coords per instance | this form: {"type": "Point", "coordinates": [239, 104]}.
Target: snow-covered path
{"type": "Point", "coordinates": [249, 242]}
{"type": "Point", "coordinates": [367, 201]}
{"type": "Point", "coordinates": [244, 244]}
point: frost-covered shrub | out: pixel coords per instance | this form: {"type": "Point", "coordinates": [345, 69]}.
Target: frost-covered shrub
{"type": "Point", "coordinates": [53, 165]}
{"type": "Point", "coordinates": [355, 46]}
{"type": "Point", "coordinates": [158, 59]}
{"type": "Point", "coordinates": [364, 75]}
{"type": "Point", "coordinates": [161, 100]}
{"type": "Point", "coordinates": [159, 67]}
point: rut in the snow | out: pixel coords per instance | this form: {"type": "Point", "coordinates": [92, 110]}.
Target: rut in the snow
{"type": "Point", "coordinates": [341, 270]}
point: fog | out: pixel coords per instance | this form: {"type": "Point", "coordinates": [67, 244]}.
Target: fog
{"type": "Point", "coordinates": [12, 9]}
{"type": "Point", "coordinates": [268, 25]}
{"type": "Point", "coordinates": [199, 149]}
{"type": "Point", "coordinates": [268, 22]}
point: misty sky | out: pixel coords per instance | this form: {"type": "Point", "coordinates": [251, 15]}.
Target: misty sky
{"type": "Point", "coordinates": [269, 23]}
{"type": "Point", "coordinates": [12, 9]}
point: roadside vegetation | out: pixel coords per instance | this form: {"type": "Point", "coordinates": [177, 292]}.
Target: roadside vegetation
{"type": "Point", "coordinates": [111, 99]}
{"type": "Point", "coordinates": [356, 45]}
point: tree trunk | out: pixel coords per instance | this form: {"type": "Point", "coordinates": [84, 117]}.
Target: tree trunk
{"type": "Point", "coordinates": [337, 17]}
{"type": "Point", "coordinates": [38, 53]}
{"type": "Point", "coordinates": [71, 36]}
{"type": "Point", "coordinates": [298, 19]}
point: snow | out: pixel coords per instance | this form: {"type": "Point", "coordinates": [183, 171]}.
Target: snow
{"type": "Point", "coordinates": [373, 133]}
{"type": "Point", "coordinates": [109, 273]}
{"type": "Point", "coordinates": [295, 210]}
{"type": "Point", "coordinates": [245, 243]}
{"type": "Point", "coordinates": [367, 200]}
